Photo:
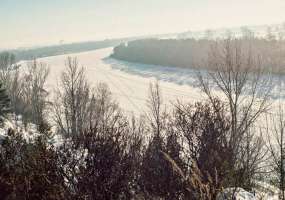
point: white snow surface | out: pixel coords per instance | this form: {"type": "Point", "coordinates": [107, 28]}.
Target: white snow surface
{"type": "Point", "coordinates": [241, 194]}
{"type": "Point", "coordinates": [129, 89]}
{"type": "Point", "coordinates": [238, 193]}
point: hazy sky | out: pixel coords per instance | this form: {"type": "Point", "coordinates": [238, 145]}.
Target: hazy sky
{"type": "Point", "coordinates": [41, 22]}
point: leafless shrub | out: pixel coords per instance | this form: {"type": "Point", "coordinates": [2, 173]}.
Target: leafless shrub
{"type": "Point", "coordinates": [26, 90]}
{"type": "Point", "coordinates": [276, 146]}
{"type": "Point", "coordinates": [194, 184]}
{"type": "Point", "coordinates": [204, 130]}
{"type": "Point", "coordinates": [34, 94]}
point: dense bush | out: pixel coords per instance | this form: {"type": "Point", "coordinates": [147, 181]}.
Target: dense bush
{"type": "Point", "coordinates": [29, 170]}
{"type": "Point", "coordinates": [114, 161]}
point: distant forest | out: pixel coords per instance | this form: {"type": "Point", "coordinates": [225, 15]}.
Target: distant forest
{"type": "Point", "coordinates": [54, 50]}
{"type": "Point", "coordinates": [28, 54]}
{"type": "Point", "coordinates": [193, 53]}
{"type": "Point", "coordinates": [166, 52]}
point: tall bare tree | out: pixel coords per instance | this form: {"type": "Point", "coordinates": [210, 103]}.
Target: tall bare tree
{"type": "Point", "coordinates": [155, 105]}
{"type": "Point", "coordinates": [34, 93]}
{"type": "Point", "coordinates": [238, 79]}
{"type": "Point", "coordinates": [72, 99]}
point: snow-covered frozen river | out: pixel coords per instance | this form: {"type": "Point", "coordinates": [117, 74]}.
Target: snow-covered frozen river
{"type": "Point", "coordinates": [129, 82]}
{"type": "Point", "coordinates": [128, 87]}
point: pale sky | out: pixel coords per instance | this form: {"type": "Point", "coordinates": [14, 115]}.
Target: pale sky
{"type": "Point", "coordinates": [26, 23]}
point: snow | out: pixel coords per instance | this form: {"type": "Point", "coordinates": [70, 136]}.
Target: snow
{"type": "Point", "coordinates": [130, 89]}
{"type": "Point", "coordinates": [241, 194]}
{"type": "Point", "coordinates": [129, 82]}
{"type": "Point", "coordinates": [29, 133]}
{"type": "Point", "coordinates": [237, 193]}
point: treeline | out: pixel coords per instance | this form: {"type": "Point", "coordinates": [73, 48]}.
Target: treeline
{"type": "Point", "coordinates": [30, 54]}
{"type": "Point", "coordinates": [61, 49]}
{"type": "Point", "coordinates": [166, 52]}
{"type": "Point", "coordinates": [193, 151]}
{"type": "Point", "coordinates": [193, 53]}
{"type": "Point", "coordinates": [39, 52]}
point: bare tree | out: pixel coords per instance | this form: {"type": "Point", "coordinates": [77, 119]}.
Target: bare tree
{"type": "Point", "coordinates": [157, 177]}
{"type": "Point", "coordinates": [155, 105]}
{"type": "Point", "coordinates": [247, 33]}
{"type": "Point", "coordinates": [7, 60]}
{"type": "Point", "coordinates": [34, 93]}
{"type": "Point", "coordinates": [209, 34]}
{"type": "Point", "coordinates": [72, 98]}
{"type": "Point", "coordinates": [276, 146]}
{"type": "Point", "coordinates": [10, 79]}
{"type": "Point", "coordinates": [9, 75]}
{"type": "Point", "coordinates": [240, 81]}
{"type": "Point", "coordinates": [102, 108]}
{"type": "Point", "coordinates": [79, 107]}
{"type": "Point", "coordinates": [26, 90]}
{"type": "Point", "coordinates": [270, 36]}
